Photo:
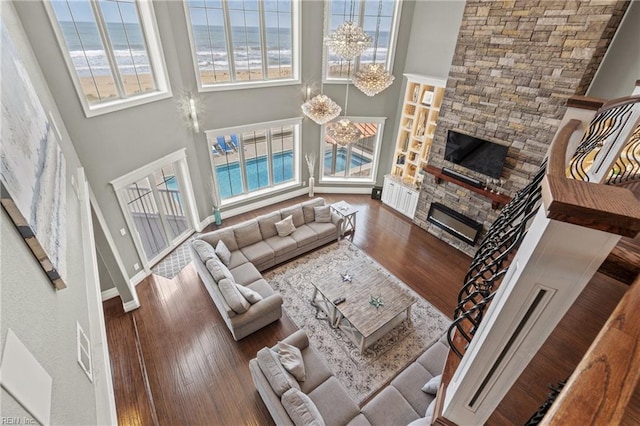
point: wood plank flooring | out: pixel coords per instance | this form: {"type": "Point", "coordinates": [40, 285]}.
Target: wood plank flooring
{"type": "Point", "coordinates": [174, 360]}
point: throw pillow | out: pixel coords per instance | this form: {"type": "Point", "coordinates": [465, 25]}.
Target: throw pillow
{"type": "Point", "coordinates": [432, 385]}
{"type": "Point", "coordinates": [251, 295]}
{"type": "Point", "coordinates": [218, 271]}
{"type": "Point", "coordinates": [279, 379]}
{"type": "Point", "coordinates": [430, 409]}
{"type": "Point", "coordinates": [307, 209]}
{"type": "Point", "coordinates": [223, 252]}
{"type": "Point", "coordinates": [301, 408]}
{"type": "Point", "coordinates": [204, 249]}
{"type": "Point", "coordinates": [285, 227]}
{"type": "Point", "coordinates": [291, 359]}
{"type": "Point", "coordinates": [233, 297]}
{"type": "Point", "coordinates": [323, 214]}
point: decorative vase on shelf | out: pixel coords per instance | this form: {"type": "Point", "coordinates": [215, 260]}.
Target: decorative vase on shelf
{"type": "Point", "coordinates": [312, 182]}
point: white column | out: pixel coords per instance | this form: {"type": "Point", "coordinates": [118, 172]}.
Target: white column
{"type": "Point", "coordinates": [553, 265]}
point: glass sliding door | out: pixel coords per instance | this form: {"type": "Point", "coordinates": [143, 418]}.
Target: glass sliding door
{"type": "Point", "coordinates": [155, 207]}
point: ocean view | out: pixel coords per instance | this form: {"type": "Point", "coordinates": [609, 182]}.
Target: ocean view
{"type": "Point", "coordinates": [88, 56]}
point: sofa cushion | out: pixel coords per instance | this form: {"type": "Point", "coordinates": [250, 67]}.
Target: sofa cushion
{"type": "Point", "coordinates": [333, 402]}
{"type": "Point", "coordinates": [267, 224]}
{"type": "Point", "coordinates": [262, 287]}
{"type": "Point", "coordinates": [296, 213]}
{"type": "Point", "coordinates": [223, 252]}
{"type": "Point", "coordinates": [233, 297]}
{"type": "Point", "coordinates": [237, 259]}
{"type": "Point", "coordinates": [409, 382]}
{"type": "Point", "coordinates": [247, 233]}
{"type": "Point", "coordinates": [322, 214]}
{"type": "Point", "coordinates": [285, 227]}
{"type": "Point", "coordinates": [282, 245]}
{"type": "Point", "coordinates": [279, 379]}
{"type": "Point", "coordinates": [301, 409]}
{"type": "Point", "coordinates": [316, 368]}
{"type": "Point", "coordinates": [434, 357]}
{"type": "Point", "coordinates": [307, 209]}
{"type": "Point", "coordinates": [291, 359]}
{"type": "Point", "coordinates": [204, 249]}
{"type": "Point", "coordinates": [431, 387]}
{"type": "Point", "coordinates": [324, 230]}
{"type": "Point", "coordinates": [258, 253]}
{"type": "Point", "coordinates": [217, 270]}
{"type": "Point", "coordinates": [252, 296]}
{"type": "Point", "coordinates": [246, 274]}
{"type": "Point", "coordinates": [304, 235]}
{"type": "Point", "coordinates": [390, 408]}
{"type": "Point", "coordinates": [359, 420]}
{"type": "Point", "coordinates": [224, 234]}
{"type": "Point", "coordinates": [422, 421]}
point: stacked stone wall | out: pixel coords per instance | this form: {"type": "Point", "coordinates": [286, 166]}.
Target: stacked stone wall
{"type": "Point", "coordinates": [515, 65]}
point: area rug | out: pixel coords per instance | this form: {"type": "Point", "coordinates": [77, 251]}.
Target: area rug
{"type": "Point", "coordinates": [175, 262]}
{"type": "Point", "coordinates": [361, 374]}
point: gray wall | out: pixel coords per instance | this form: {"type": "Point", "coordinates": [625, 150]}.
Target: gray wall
{"type": "Point", "coordinates": [621, 66]}
{"type": "Point", "coordinates": [113, 144]}
{"type": "Point", "coordinates": [45, 319]}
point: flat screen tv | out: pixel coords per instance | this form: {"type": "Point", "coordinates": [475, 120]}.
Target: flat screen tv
{"type": "Point", "coordinates": [475, 154]}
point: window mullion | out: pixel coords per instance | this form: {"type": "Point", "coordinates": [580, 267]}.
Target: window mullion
{"type": "Point", "coordinates": [243, 165]}
{"type": "Point", "coordinates": [229, 39]}
{"type": "Point", "coordinates": [263, 41]}
{"type": "Point", "coordinates": [145, 41]}
{"type": "Point", "coordinates": [269, 136]}
{"type": "Point", "coordinates": [160, 208]}
{"type": "Point", "coordinates": [108, 47]}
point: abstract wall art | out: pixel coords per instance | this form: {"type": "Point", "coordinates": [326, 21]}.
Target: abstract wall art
{"type": "Point", "coordinates": [32, 166]}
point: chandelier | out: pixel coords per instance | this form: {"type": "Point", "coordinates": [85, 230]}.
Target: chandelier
{"type": "Point", "coordinates": [344, 132]}
{"type": "Point", "coordinates": [321, 109]}
{"type": "Point", "coordinates": [348, 40]}
{"type": "Point", "coordinates": [372, 79]}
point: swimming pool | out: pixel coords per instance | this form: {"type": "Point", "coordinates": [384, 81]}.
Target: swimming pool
{"type": "Point", "coordinates": [230, 178]}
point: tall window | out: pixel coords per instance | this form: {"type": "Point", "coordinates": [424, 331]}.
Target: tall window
{"type": "Point", "coordinates": [246, 42]}
{"type": "Point", "coordinates": [254, 160]}
{"type": "Point", "coordinates": [379, 19]}
{"type": "Point", "coordinates": [112, 50]}
{"type": "Point", "coordinates": [356, 162]}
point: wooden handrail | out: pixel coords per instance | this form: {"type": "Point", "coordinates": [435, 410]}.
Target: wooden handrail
{"type": "Point", "coordinates": [603, 207]}
{"type": "Point", "coordinates": [602, 385]}
{"type": "Point", "coordinates": [585, 102]}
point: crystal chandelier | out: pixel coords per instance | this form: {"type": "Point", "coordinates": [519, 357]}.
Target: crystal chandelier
{"type": "Point", "coordinates": [344, 132]}
{"type": "Point", "coordinates": [372, 79]}
{"type": "Point", "coordinates": [321, 109]}
{"type": "Point", "coordinates": [348, 40]}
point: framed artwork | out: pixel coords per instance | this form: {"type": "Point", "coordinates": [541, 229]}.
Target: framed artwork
{"type": "Point", "coordinates": [32, 166]}
{"type": "Point", "coordinates": [427, 97]}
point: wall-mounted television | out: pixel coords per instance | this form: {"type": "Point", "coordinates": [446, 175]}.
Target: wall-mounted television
{"type": "Point", "coordinates": [475, 154]}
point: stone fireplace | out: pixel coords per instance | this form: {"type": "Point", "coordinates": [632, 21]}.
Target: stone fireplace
{"type": "Point", "coordinates": [514, 66]}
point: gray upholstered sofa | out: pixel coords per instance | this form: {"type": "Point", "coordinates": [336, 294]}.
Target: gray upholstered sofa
{"type": "Point", "coordinates": [400, 403]}
{"type": "Point", "coordinates": [254, 246]}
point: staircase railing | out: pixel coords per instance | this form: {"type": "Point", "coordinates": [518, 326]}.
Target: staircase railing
{"type": "Point", "coordinates": [570, 194]}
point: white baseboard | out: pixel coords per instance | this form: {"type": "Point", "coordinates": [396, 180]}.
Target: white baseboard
{"type": "Point", "coordinates": [109, 294]}
{"type": "Point", "coordinates": [137, 278]}
{"type": "Point", "coordinates": [343, 190]}
{"type": "Point", "coordinates": [262, 203]}
{"type": "Point", "coordinates": [131, 305]}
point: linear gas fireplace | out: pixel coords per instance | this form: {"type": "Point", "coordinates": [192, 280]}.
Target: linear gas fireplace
{"type": "Point", "coordinates": [456, 224]}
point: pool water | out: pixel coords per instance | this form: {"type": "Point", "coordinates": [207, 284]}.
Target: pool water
{"type": "Point", "coordinates": [230, 178]}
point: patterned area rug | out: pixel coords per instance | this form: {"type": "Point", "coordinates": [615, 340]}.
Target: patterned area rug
{"type": "Point", "coordinates": [171, 265]}
{"type": "Point", "coordinates": [362, 374]}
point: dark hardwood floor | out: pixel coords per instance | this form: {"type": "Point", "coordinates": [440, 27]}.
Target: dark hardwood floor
{"type": "Point", "coordinates": [174, 360]}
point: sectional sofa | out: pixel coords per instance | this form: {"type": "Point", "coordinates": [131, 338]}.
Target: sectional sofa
{"type": "Point", "coordinates": [402, 402]}
{"type": "Point", "coordinates": [253, 246]}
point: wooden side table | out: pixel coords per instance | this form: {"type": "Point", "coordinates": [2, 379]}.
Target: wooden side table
{"type": "Point", "coordinates": [348, 213]}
